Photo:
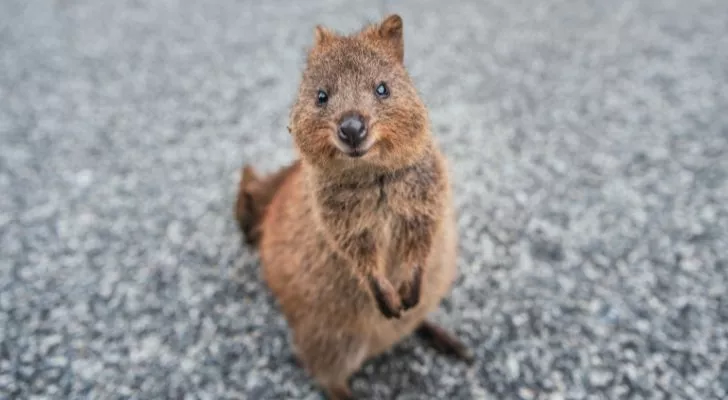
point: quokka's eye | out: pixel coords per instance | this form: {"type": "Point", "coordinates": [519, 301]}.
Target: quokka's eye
{"type": "Point", "coordinates": [382, 91]}
{"type": "Point", "coordinates": [322, 98]}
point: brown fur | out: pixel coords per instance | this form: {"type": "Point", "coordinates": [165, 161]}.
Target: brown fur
{"type": "Point", "coordinates": [357, 251]}
{"type": "Point", "coordinates": [254, 195]}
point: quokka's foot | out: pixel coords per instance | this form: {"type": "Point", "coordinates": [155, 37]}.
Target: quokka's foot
{"type": "Point", "coordinates": [339, 392]}
{"type": "Point", "coordinates": [444, 341]}
{"type": "Point", "coordinates": [410, 291]}
{"type": "Point", "coordinates": [387, 299]}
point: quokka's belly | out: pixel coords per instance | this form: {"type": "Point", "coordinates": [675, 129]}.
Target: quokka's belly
{"type": "Point", "coordinates": [440, 275]}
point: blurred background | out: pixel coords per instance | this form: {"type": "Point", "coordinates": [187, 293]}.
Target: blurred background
{"type": "Point", "coordinates": [588, 142]}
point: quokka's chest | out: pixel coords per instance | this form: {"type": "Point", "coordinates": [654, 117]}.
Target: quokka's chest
{"type": "Point", "coordinates": [383, 203]}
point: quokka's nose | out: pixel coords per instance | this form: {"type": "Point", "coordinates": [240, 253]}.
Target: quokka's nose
{"type": "Point", "coordinates": [352, 130]}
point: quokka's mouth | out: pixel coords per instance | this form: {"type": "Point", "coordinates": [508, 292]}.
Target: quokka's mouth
{"type": "Point", "coordinates": [359, 151]}
{"type": "Point", "coordinates": [355, 152]}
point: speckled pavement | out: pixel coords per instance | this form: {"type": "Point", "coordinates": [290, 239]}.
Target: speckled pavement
{"type": "Point", "coordinates": [589, 146]}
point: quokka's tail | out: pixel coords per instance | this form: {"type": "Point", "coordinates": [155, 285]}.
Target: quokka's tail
{"type": "Point", "coordinates": [254, 195]}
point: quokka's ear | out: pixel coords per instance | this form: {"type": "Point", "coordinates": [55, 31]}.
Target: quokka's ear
{"type": "Point", "coordinates": [392, 27]}
{"type": "Point", "coordinates": [389, 34]}
{"type": "Point", "coordinates": [323, 36]}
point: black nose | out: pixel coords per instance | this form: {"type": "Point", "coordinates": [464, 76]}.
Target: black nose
{"type": "Point", "coordinates": [352, 130]}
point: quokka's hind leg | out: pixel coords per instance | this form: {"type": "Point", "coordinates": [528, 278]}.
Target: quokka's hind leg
{"type": "Point", "coordinates": [444, 341]}
{"type": "Point", "coordinates": [331, 360]}
{"type": "Point", "coordinates": [340, 391]}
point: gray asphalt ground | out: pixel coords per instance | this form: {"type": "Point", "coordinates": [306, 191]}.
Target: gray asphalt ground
{"type": "Point", "coordinates": [589, 145]}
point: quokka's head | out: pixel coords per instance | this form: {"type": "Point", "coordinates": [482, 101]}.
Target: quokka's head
{"type": "Point", "coordinates": [356, 104]}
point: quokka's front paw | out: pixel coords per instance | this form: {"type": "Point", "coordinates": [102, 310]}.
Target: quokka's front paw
{"type": "Point", "coordinates": [410, 290]}
{"type": "Point", "coordinates": [386, 297]}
